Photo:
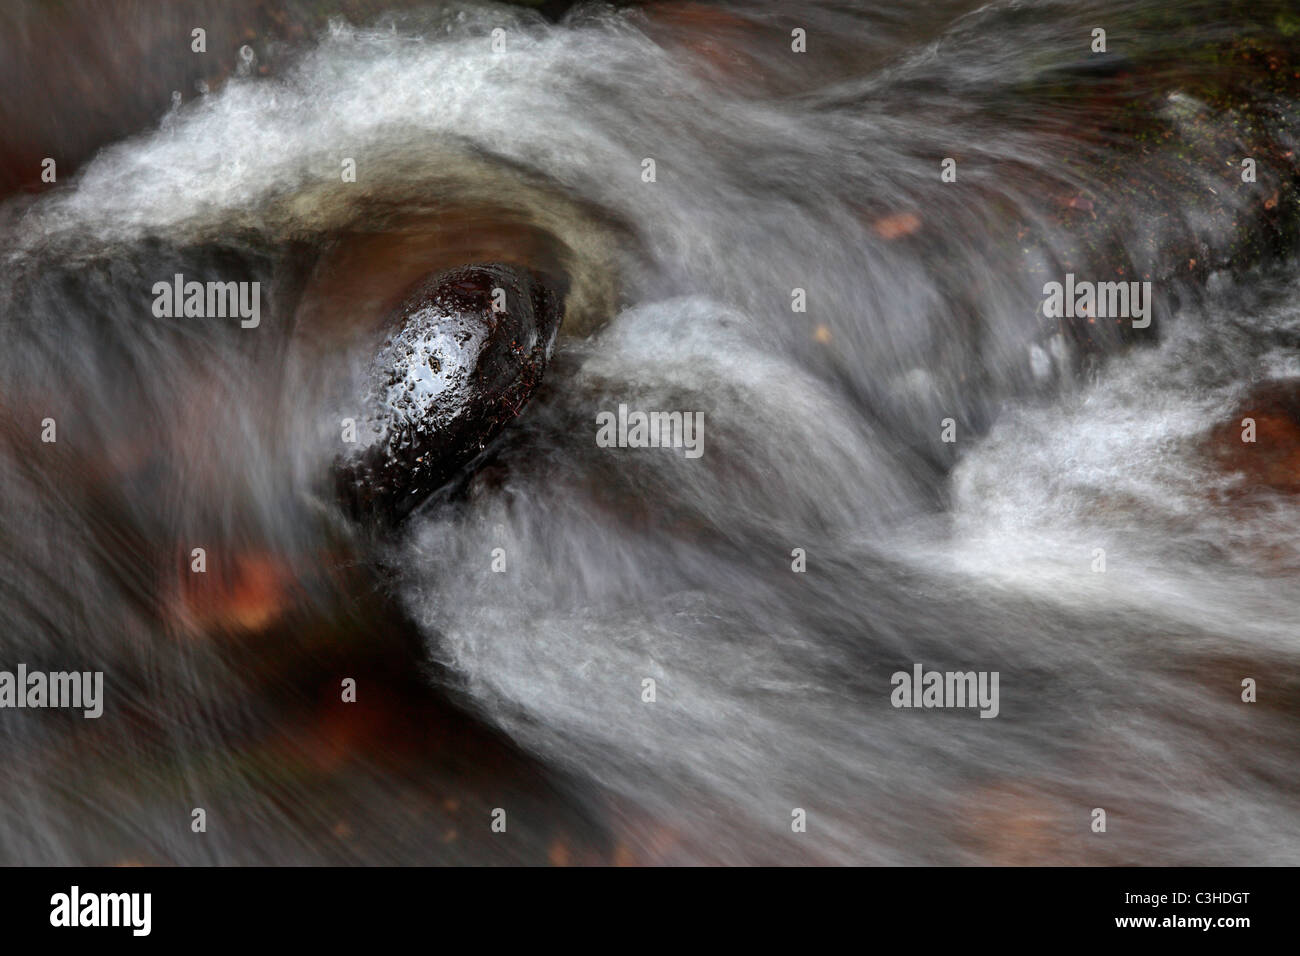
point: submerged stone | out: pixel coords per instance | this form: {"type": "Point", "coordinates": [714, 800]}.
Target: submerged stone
{"type": "Point", "coordinates": [1261, 441]}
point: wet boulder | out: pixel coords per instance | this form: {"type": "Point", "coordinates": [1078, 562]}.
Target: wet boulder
{"type": "Point", "coordinates": [462, 356]}
{"type": "Point", "coordinates": [1260, 443]}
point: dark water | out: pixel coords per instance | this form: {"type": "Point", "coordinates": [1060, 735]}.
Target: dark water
{"type": "Point", "coordinates": [522, 689]}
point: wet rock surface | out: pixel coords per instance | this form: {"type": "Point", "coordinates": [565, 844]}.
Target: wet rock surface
{"type": "Point", "coordinates": [465, 352]}
{"type": "Point", "coordinates": [1270, 460]}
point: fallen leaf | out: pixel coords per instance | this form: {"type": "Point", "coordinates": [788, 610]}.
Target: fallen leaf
{"type": "Point", "coordinates": [898, 225]}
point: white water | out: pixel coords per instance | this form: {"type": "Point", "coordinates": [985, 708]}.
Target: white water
{"type": "Point", "coordinates": [1119, 690]}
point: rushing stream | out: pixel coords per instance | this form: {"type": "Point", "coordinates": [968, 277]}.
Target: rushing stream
{"type": "Point", "coordinates": [798, 271]}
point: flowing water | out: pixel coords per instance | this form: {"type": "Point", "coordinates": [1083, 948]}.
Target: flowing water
{"type": "Point", "coordinates": [773, 171]}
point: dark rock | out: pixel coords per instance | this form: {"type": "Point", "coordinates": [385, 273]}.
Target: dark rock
{"type": "Point", "coordinates": [1091, 67]}
{"type": "Point", "coordinates": [1271, 463]}
{"type": "Point", "coordinates": [452, 373]}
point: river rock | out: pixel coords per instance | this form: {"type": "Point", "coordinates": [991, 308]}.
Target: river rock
{"type": "Point", "coordinates": [464, 353]}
